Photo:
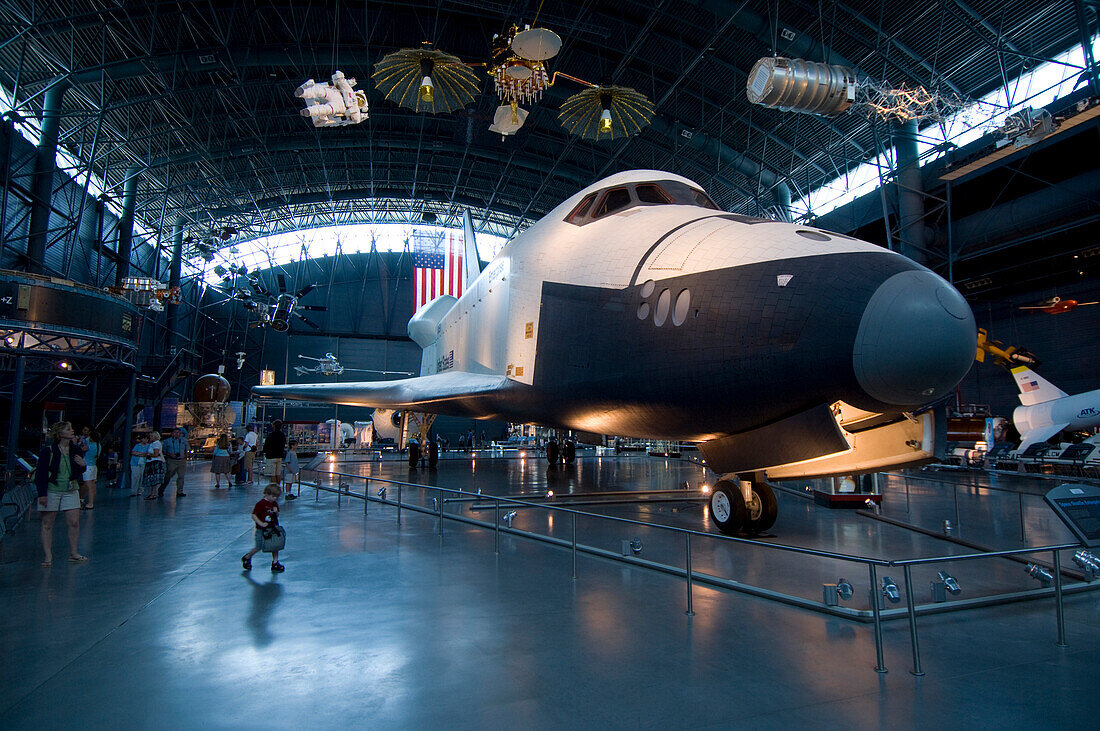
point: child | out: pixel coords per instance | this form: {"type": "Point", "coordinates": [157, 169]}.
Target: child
{"type": "Point", "coordinates": [222, 462]}
{"type": "Point", "coordinates": [265, 513]}
{"type": "Point", "coordinates": [290, 468]}
{"type": "Point", "coordinates": [138, 452]}
{"type": "Point", "coordinates": [238, 456]}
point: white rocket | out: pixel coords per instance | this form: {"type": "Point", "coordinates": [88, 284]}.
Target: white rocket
{"type": "Point", "coordinates": [1046, 410]}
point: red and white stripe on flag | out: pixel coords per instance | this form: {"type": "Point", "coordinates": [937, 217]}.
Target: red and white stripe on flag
{"type": "Point", "coordinates": [440, 272]}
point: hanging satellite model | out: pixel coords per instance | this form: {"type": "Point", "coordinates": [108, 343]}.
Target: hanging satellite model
{"type": "Point", "coordinates": [277, 313]}
{"type": "Point", "coordinates": [330, 366]}
{"type": "Point", "coordinates": [797, 85]}
{"type": "Point", "coordinates": [519, 73]}
{"type": "Point", "coordinates": [333, 104]}
{"type": "Point", "coordinates": [425, 80]}
{"type": "Point", "coordinates": [606, 112]}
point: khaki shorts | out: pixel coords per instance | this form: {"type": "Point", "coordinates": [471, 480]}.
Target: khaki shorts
{"type": "Point", "coordinates": [61, 501]}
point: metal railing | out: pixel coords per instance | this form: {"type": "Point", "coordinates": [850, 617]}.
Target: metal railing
{"type": "Point", "coordinates": [876, 616]}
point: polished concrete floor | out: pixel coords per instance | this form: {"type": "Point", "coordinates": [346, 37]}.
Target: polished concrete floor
{"type": "Point", "coordinates": [381, 624]}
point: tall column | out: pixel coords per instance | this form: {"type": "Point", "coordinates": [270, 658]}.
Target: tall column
{"type": "Point", "coordinates": [781, 196]}
{"type": "Point", "coordinates": [13, 423]}
{"type": "Point", "coordinates": [174, 337]}
{"type": "Point", "coordinates": [126, 225]}
{"type": "Point", "coordinates": [127, 429]}
{"type": "Point", "coordinates": [45, 164]}
{"type": "Point", "coordinates": [910, 193]}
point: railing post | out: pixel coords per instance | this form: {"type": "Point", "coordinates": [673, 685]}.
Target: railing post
{"type": "Point", "coordinates": [366, 494]}
{"type": "Point", "coordinates": [907, 494]}
{"type": "Point", "coordinates": [440, 492]}
{"type": "Point", "coordinates": [955, 491]}
{"type": "Point", "coordinates": [574, 545]}
{"type": "Point", "coordinates": [399, 504]}
{"type": "Point", "coordinates": [1023, 535]}
{"type": "Point", "coordinates": [1058, 600]}
{"type": "Point", "coordinates": [912, 621]}
{"type": "Point", "coordinates": [687, 573]}
{"type": "Point", "coordinates": [880, 667]}
{"type": "Point", "coordinates": [496, 525]}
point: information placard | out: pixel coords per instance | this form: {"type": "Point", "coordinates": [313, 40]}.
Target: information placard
{"type": "Point", "coordinates": [1078, 506]}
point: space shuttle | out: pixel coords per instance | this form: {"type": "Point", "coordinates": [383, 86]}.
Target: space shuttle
{"type": "Point", "coordinates": [1046, 410]}
{"type": "Point", "coordinates": [639, 308]}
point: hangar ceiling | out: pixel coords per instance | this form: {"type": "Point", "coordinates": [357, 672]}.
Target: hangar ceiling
{"type": "Point", "coordinates": [199, 97]}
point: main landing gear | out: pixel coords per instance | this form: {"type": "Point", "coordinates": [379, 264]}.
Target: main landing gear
{"type": "Point", "coordinates": [743, 506]}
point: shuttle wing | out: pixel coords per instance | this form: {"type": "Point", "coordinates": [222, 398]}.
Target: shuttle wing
{"type": "Point", "coordinates": [456, 388]}
{"type": "Point", "coordinates": [1039, 434]}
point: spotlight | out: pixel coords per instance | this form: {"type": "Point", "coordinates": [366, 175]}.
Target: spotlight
{"type": "Point", "coordinates": [549, 494]}
{"type": "Point", "coordinates": [509, 517]}
{"type": "Point", "coordinates": [382, 492]}
{"type": "Point", "coordinates": [427, 90]}
{"type": "Point", "coordinates": [1089, 563]}
{"type": "Point", "coordinates": [950, 582]}
{"type": "Point", "coordinates": [9, 340]}
{"type": "Point", "coordinates": [1040, 574]}
{"type": "Point", "coordinates": [633, 546]}
{"type": "Point", "coordinates": [890, 590]}
{"type": "Point", "coordinates": [832, 593]}
{"type": "Point", "coordinates": [64, 365]}
{"type": "Point", "coordinates": [705, 489]}
{"type": "Point", "coordinates": [947, 527]}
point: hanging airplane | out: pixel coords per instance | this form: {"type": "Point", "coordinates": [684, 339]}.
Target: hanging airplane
{"type": "Point", "coordinates": [1056, 306]}
{"type": "Point", "coordinates": [282, 306]}
{"type": "Point", "coordinates": [1046, 410]}
{"type": "Point", "coordinates": [330, 366]}
{"type": "Point", "coordinates": [639, 308]}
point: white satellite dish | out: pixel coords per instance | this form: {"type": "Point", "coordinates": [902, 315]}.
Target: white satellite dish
{"type": "Point", "coordinates": [505, 122]}
{"type": "Point", "coordinates": [536, 44]}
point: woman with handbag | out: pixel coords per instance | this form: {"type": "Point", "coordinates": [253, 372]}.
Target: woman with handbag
{"type": "Point", "coordinates": [57, 477]}
{"type": "Point", "coordinates": [269, 536]}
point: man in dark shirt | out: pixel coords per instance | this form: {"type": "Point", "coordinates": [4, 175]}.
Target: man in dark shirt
{"type": "Point", "coordinates": [275, 450]}
{"type": "Point", "coordinates": [175, 462]}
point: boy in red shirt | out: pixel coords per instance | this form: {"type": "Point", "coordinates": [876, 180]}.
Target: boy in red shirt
{"type": "Point", "coordinates": [266, 513]}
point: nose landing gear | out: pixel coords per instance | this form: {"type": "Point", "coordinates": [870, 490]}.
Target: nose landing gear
{"type": "Point", "coordinates": [745, 506]}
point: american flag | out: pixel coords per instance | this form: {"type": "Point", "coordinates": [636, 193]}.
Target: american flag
{"type": "Point", "coordinates": [1029, 386]}
{"type": "Point", "coordinates": [437, 265]}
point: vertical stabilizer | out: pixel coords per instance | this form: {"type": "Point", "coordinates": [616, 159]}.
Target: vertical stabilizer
{"type": "Point", "coordinates": [472, 262]}
{"type": "Point", "coordinates": [1034, 389]}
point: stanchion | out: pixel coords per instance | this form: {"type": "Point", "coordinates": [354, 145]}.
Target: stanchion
{"type": "Point", "coordinates": [912, 621]}
{"type": "Point", "coordinates": [955, 491]}
{"type": "Point", "coordinates": [399, 504]}
{"type": "Point", "coordinates": [366, 494]}
{"type": "Point", "coordinates": [1058, 600]}
{"type": "Point", "coordinates": [440, 511]}
{"type": "Point", "coordinates": [687, 552]}
{"type": "Point", "coordinates": [496, 525]}
{"type": "Point", "coordinates": [1023, 534]}
{"type": "Point", "coordinates": [574, 545]}
{"type": "Point", "coordinates": [880, 666]}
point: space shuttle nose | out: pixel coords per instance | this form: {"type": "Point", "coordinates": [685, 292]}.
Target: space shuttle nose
{"type": "Point", "coordinates": [916, 340]}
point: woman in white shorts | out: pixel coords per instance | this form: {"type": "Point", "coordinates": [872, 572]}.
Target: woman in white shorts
{"type": "Point", "coordinates": [57, 476]}
{"type": "Point", "coordinates": [92, 449]}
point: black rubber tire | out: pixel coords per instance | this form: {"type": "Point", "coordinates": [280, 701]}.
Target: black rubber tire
{"type": "Point", "coordinates": [759, 518]}
{"type": "Point", "coordinates": [569, 451]}
{"type": "Point", "coordinates": [414, 454]}
{"type": "Point", "coordinates": [433, 453]}
{"type": "Point", "coordinates": [727, 509]}
{"type": "Point", "coordinates": [552, 452]}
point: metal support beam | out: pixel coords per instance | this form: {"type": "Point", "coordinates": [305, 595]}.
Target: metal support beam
{"type": "Point", "coordinates": [176, 266]}
{"type": "Point", "coordinates": [14, 418]}
{"type": "Point", "coordinates": [1086, 47]}
{"type": "Point", "coordinates": [126, 225]}
{"type": "Point", "coordinates": [127, 429]}
{"type": "Point", "coordinates": [42, 188]}
{"type": "Point", "coordinates": [910, 193]}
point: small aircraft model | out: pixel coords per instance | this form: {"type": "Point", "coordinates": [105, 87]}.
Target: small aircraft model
{"type": "Point", "coordinates": [329, 366]}
{"type": "Point", "coordinates": [1008, 356]}
{"type": "Point", "coordinates": [277, 314]}
{"type": "Point", "coordinates": [638, 307]}
{"type": "Point", "coordinates": [1057, 305]}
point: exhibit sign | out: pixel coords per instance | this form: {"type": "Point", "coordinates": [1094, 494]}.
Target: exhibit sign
{"type": "Point", "coordinates": [1078, 506]}
{"type": "Point", "coordinates": [169, 413]}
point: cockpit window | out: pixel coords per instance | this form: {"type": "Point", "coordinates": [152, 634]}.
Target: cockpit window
{"type": "Point", "coordinates": [613, 200]}
{"type": "Point", "coordinates": [577, 216]}
{"type": "Point", "coordinates": [658, 192]}
{"type": "Point", "coordinates": [651, 193]}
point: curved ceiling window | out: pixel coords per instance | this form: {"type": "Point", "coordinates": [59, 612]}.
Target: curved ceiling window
{"type": "Point", "coordinates": [683, 305]}
{"type": "Point", "coordinates": [613, 201]}
{"type": "Point", "coordinates": [660, 313]}
{"type": "Point", "coordinates": [651, 193]}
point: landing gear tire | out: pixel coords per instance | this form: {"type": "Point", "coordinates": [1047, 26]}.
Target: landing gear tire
{"type": "Point", "coordinates": [569, 452]}
{"type": "Point", "coordinates": [414, 454]}
{"type": "Point", "coordinates": [727, 508]}
{"type": "Point", "coordinates": [552, 453]}
{"type": "Point", "coordinates": [761, 511]}
{"type": "Point", "coordinates": [433, 454]}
